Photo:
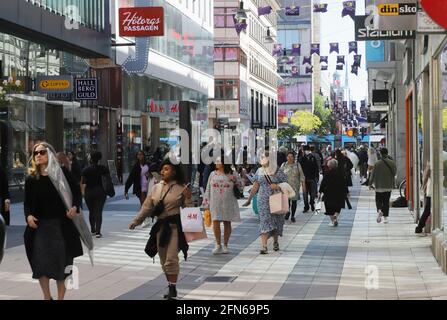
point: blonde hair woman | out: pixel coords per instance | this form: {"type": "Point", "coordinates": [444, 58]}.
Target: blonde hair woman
{"type": "Point", "coordinates": [51, 239]}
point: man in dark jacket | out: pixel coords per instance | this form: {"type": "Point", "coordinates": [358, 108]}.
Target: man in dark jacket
{"type": "Point", "coordinates": [5, 201]}
{"type": "Point", "coordinates": [312, 175]}
{"type": "Point", "coordinates": [363, 163]}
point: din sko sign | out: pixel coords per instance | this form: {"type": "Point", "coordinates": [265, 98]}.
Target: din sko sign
{"type": "Point", "coordinates": [141, 21]}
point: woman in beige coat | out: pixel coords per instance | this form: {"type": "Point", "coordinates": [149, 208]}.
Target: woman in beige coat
{"type": "Point", "coordinates": [166, 236]}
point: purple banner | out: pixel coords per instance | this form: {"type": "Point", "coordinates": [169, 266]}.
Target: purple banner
{"type": "Point", "coordinates": [348, 9]}
{"type": "Point", "coordinates": [291, 60]}
{"type": "Point", "coordinates": [355, 70]}
{"type": "Point", "coordinates": [293, 11]}
{"type": "Point", "coordinates": [315, 48]}
{"type": "Point", "coordinates": [296, 49]}
{"type": "Point", "coordinates": [357, 60]}
{"type": "Point", "coordinates": [239, 25]}
{"type": "Point", "coordinates": [264, 10]}
{"type": "Point", "coordinates": [341, 59]}
{"type": "Point", "coordinates": [277, 49]}
{"type": "Point", "coordinates": [307, 60]}
{"type": "Point", "coordinates": [324, 59]}
{"type": "Point", "coordinates": [309, 69]}
{"type": "Point", "coordinates": [353, 47]}
{"type": "Point", "coordinates": [322, 7]}
{"type": "Point", "coordinates": [339, 67]}
{"type": "Point", "coordinates": [295, 71]}
{"type": "Point", "coordinates": [333, 47]}
{"type": "Point", "coordinates": [323, 68]}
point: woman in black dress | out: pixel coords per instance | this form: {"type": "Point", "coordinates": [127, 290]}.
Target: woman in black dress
{"type": "Point", "coordinates": [334, 190]}
{"type": "Point", "coordinates": [94, 194]}
{"type": "Point", "coordinates": [51, 239]}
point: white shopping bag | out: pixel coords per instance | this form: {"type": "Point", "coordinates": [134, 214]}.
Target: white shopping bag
{"type": "Point", "coordinates": [192, 219]}
{"type": "Point", "coordinates": [319, 206]}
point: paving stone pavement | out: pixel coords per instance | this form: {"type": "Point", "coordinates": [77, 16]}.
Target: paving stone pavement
{"type": "Point", "coordinates": [360, 259]}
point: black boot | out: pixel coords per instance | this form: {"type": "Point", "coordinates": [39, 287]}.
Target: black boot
{"type": "Point", "coordinates": [172, 292]}
{"type": "Point", "coordinates": [287, 216]}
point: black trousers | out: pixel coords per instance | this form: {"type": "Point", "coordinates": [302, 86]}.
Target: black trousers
{"type": "Point", "coordinates": [95, 198]}
{"type": "Point", "coordinates": [311, 191]}
{"type": "Point", "coordinates": [383, 202]}
{"type": "Point", "coordinates": [425, 214]}
{"type": "Point", "coordinates": [292, 207]}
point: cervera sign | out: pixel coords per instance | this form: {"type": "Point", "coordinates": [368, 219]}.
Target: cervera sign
{"type": "Point", "coordinates": [141, 22]}
{"type": "Point", "coordinates": [54, 84]}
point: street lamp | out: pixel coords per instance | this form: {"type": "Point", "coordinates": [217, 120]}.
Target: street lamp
{"type": "Point", "coordinates": [269, 38]}
{"type": "Point", "coordinates": [241, 12]}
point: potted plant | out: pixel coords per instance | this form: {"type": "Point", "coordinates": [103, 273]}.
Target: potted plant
{"type": "Point", "coordinates": [7, 87]}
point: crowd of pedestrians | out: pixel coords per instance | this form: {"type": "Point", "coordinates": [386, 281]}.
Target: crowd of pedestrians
{"type": "Point", "coordinates": [56, 185]}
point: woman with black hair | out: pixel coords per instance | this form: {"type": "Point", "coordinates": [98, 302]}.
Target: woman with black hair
{"type": "Point", "coordinates": [75, 166]}
{"type": "Point", "coordinates": [220, 199]}
{"type": "Point", "coordinates": [94, 193]}
{"type": "Point", "coordinates": [139, 178]}
{"type": "Point", "coordinates": [166, 236]}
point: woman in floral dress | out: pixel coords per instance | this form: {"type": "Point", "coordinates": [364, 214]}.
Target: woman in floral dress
{"type": "Point", "coordinates": [222, 203]}
{"type": "Point", "coordinates": [271, 225]}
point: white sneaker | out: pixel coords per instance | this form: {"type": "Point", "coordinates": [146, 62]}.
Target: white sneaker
{"type": "Point", "coordinates": [217, 250]}
{"type": "Point", "coordinates": [379, 216]}
{"type": "Point", "coordinates": [385, 219]}
{"type": "Point", "coordinates": [225, 250]}
{"type": "Point", "coordinates": [331, 224]}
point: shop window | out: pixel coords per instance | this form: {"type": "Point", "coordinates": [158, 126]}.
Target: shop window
{"type": "Point", "coordinates": [218, 54]}
{"type": "Point", "coordinates": [226, 89]}
{"type": "Point", "coordinates": [224, 17]}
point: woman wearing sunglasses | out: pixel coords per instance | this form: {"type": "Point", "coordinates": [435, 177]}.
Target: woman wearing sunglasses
{"type": "Point", "coordinates": [51, 239]}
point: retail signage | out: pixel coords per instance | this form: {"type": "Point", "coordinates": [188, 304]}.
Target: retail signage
{"type": "Point", "coordinates": [86, 89]}
{"type": "Point", "coordinates": [54, 84]}
{"type": "Point", "coordinates": [380, 98]}
{"type": "Point", "coordinates": [436, 9]}
{"type": "Point", "coordinates": [374, 117]}
{"type": "Point", "coordinates": [159, 109]}
{"type": "Point", "coordinates": [59, 96]}
{"type": "Point", "coordinates": [427, 25]}
{"type": "Point", "coordinates": [395, 15]}
{"type": "Point", "coordinates": [141, 21]}
{"type": "Point", "coordinates": [364, 33]}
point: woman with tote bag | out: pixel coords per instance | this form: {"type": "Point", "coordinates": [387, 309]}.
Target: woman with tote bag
{"type": "Point", "coordinates": [266, 182]}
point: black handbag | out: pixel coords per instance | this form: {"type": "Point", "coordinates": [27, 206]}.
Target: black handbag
{"type": "Point", "coordinates": [237, 193]}
{"type": "Point", "coordinates": [107, 185]}
{"type": "Point", "coordinates": [160, 206]}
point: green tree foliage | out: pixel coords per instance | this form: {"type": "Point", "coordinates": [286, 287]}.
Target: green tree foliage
{"type": "Point", "coordinates": [306, 122]}
{"type": "Point", "coordinates": [325, 115]}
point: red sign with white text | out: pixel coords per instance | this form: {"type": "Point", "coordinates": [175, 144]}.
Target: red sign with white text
{"type": "Point", "coordinates": [141, 22]}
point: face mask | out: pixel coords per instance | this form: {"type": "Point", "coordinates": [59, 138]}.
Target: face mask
{"type": "Point", "coordinates": [307, 152]}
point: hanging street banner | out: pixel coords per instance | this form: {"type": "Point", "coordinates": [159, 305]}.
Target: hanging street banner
{"type": "Point", "coordinates": [395, 15]}
{"type": "Point", "coordinates": [363, 33]}
{"type": "Point", "coordinates": [86, 89]}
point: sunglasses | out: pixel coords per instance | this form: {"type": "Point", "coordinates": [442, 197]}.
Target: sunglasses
{"type": "Point", "coordinates": [41, 152]}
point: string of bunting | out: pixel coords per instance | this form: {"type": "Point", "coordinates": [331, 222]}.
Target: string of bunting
{"type": "Point", "coordinates": [349, 8]}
